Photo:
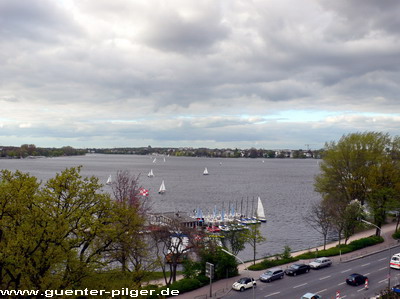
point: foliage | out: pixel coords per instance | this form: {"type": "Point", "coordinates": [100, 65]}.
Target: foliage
{"type": "Point", "coordinates": [286, 254]}
{"type": "Point", "coordinates": [342, 249]}
{"type": "Point", "coordinates": [339, 249]}
{"type": "Point", "coordinates": [185, 285]}
{"type": "Point", "coordinates": [396, 235]}
{"type": "Point", "coordinates": [235, 240]}
{"type": "Point", "coordinates": [58, 235]}
{"type": "Point", "coordinates": [363, 167]}
{"type": "Point", "coordinates": [270, 263]}
{"type": "Point", "coordinates": [30, 150]}
{"type": "Point", "coordinates": [225, 265]}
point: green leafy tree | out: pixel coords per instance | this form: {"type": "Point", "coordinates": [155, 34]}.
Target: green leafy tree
{"type": "Point", "coordinates": [362, 166]}
{"type": "Point", "coordinates": [235, 240]}
{"type": "Point", "coordinates": [60, 235]}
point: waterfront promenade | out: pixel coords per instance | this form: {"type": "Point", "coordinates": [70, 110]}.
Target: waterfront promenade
{"type": "Point", "coordinates": [222, 287]}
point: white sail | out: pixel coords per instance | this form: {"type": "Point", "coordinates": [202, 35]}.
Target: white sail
{"type": "Point", "coordinates": [205, 172]}
{"type": "Point", "coordinates": [150, 174]}
{"type": "Point", "coordinates": [260, 214]}
{"type": "Point", "coordinates": [162, 188]}
{"type": "Point", "coordinates": [109, 180]}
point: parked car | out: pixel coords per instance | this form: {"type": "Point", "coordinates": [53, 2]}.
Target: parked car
{"type": "Point", "coordinates": [356, 279]}
{"type": "Point", "coordinates": [272, 274]}
{"type": "Point", "coordinates": [297, 269]}
{"type": "Point", "coordinates": [311, 296]}
{"type": "Point", "coordinates": [320, 262]}
{"type": "Point", "coordinates": [244, 283]}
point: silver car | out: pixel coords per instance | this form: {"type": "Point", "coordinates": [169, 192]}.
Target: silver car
{"type": "Point", "coordinates": [320, 262]}
{"type": "Point", "coordinates": [272, 274]}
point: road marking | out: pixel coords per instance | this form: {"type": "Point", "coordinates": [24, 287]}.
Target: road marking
{"type": "Point", "coordinates": [325, 277]}
{"type": "Point", "coordinates": [382, 269]}
{"type": "Point", "coordinates": [341, 283]}
{"type": "Point", "coordinates": [382, 280]}
{"type": "Point", "coordinates": [366, 274]}
{"type": "Point", "coordinates": [365, 264]}
{"type": "Point", "coordinates": [346, 271]}
{"type": "Point", "coordinates": [272, 294]}
{"type": "Point", "coordinates": [300, 285]}
{"type": "Point", "coordinates": [324, 290]}
{"type": "Point", "coordinates": [382, 259]}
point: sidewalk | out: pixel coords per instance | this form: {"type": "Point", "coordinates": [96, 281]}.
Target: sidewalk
{"type": "Point", "coordinates": [223, 286]}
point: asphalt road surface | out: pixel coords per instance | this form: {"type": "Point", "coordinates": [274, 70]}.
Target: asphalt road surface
{"type": "Point", "coordinates": [326, 282]}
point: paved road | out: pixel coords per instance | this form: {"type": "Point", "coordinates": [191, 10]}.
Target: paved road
{"type": "Point", "coordinates": [329, 280]}
{"type": "Point", "coordinates": [222, 288]}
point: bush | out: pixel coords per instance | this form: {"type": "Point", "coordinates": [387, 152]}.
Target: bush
{"type": "Point", "coordinates": [365, 242]}
{"type": "Point", "coordinates": [396, 235]}
{"type": "Point", "coordinates": [185, 285]}
{"type": "Point", "coordinates": [265, 264]}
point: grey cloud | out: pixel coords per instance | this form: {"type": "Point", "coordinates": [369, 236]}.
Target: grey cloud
{"type": "Point", "coordinates": [187, 72]}
{"type": "Point", "coordinates": [365, 17]}
{"type": "Point", "coordinates": [34, 20]}
{"type": "Point", "coordinates": [172, 32]}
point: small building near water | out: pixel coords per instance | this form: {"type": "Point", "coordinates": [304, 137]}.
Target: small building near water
{"type": "Point", "coordinates": [169, 218]}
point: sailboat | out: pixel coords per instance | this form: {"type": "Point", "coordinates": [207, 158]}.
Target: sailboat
{"type": "Point", "coordinates": [205, 172]}
{"type": "Point", "coordinates": [109, 180]}
{"type": "Point", "coordinates": [150, 175]}
{"type": "Point", "coordinates": [260, 213]}
{"type": "Point", "coordinates": [162, 188]}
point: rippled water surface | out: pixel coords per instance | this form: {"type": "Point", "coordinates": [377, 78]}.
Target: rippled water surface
{"type": "Point", "coordinates": [284, 185]}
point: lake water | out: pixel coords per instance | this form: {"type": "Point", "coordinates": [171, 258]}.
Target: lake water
{"type": "Point", "coordinates": [284, 185]}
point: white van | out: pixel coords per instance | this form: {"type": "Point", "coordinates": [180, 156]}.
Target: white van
{"type": "Point", "coordinates": [395, 261]}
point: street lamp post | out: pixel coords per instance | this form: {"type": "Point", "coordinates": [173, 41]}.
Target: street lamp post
{"type": "Point", "coordinates": [230, 253]}
{"type": "Point", "coordinates": [390, 249]}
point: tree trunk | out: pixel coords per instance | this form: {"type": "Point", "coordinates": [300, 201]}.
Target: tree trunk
{"type": "Point", "coordinates": [398, 221]}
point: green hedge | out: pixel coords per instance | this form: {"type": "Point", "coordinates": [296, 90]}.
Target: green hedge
{"type": "Point", "coordinates": [185, 285]}
{"type": "Point", "coordinates": [396, 235]}
{"type": "Point", "coordinates": [342, 249]}
{"type": "Point", "coordinates": [265, 264]}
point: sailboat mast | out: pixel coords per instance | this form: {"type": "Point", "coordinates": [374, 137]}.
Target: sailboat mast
{"type": "Point", "coordinates": [247, 206]}
{"type": "Point", "coordinates": [252, 208]}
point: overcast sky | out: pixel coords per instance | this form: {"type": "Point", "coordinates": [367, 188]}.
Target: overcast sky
{"type": "Point", "coordinates": [230, 73]}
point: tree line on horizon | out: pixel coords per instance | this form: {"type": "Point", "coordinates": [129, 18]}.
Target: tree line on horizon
{"type": "Point", "coordinates": [30, 150]}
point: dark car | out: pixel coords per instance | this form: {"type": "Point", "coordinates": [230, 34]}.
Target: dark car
{"type": "Point", "coordinates": [297, 269]}
{"type": "Point", "coordinates": [356, 279]}
{"type": "Point", "coordinates": [272, 274]}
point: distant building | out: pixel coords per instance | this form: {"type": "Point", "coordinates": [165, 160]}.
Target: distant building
{"type": "Point", "coordinates": [168, 218]}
